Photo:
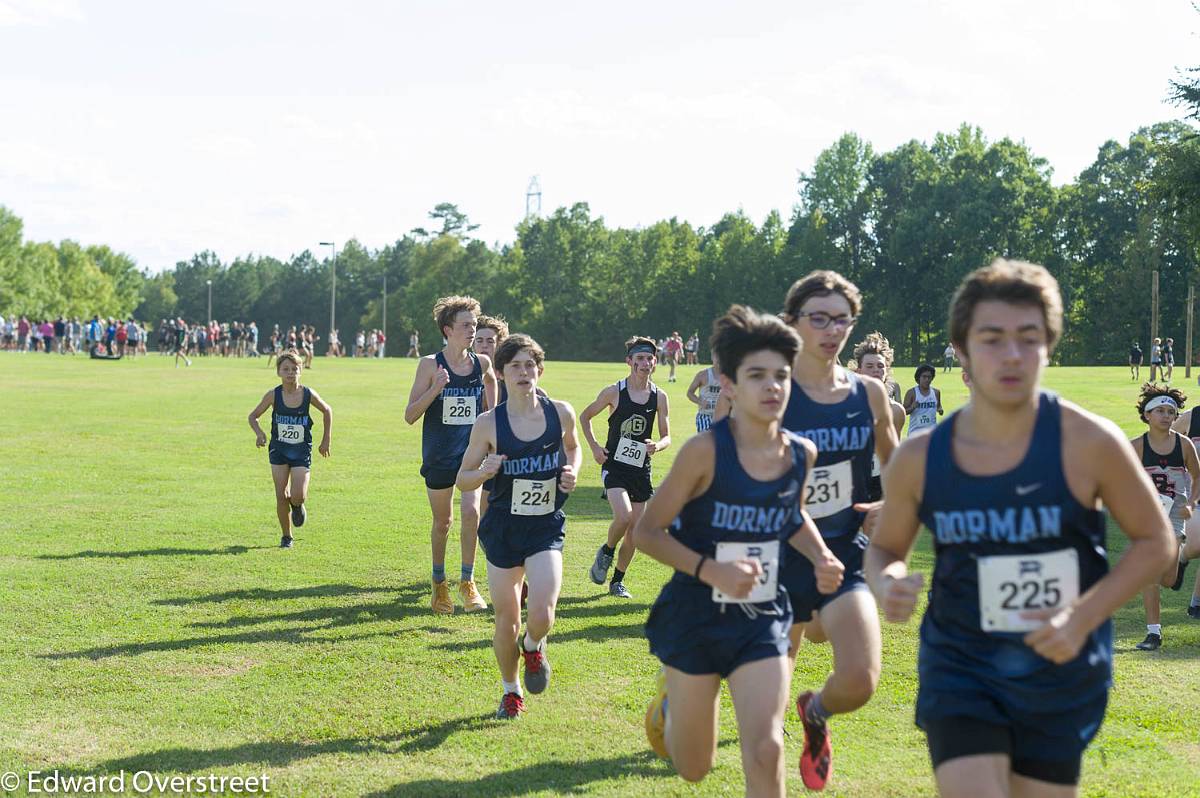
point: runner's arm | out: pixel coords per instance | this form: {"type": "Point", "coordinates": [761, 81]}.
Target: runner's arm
{"type": "Point", "coordinates": [267, 400]}
{"type": "Point", "coordinates": [570, 441]}
{"type": "Point", "coordinates": [491, 388]}
{"type": "Point", "coordinates": [327, 421]}
{"type": "Point", "coordinates": [910, 401]}
{"type": "Point", "coordinates": [1193, 467]}
{"type": "Point", "coordinates": [607, 398]}
{"type": "Point", "coordinates": [479, 452]}
{"type": "Point", "coordinates": [885, 563]}
{"type": "Point", "coordinates": [424, 390]}
{"type": "Point", "coordinates": [692, 396]}
{"type": "Point", "coordinates": [724, 406]}
{"type": "Point", "coordinates": [664, 426]}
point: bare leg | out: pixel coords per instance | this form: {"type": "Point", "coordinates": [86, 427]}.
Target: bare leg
{"type": "Point", "coordinates": [440, 502]}
{"type": "Point", "coordinates": [283, 508]}
{"type": "Point", "coordinates": [981, 776]}
{"type": "Point", "coordinates": [505, 587]}
{"type": "Point", "coordinates": [760, 690]}
{"type": "Point", "coordinates": [543, 571]}
{"type": "Point", "coordinates": [691, 733]}
{"type": "Point", "coordinates": [469, 507]}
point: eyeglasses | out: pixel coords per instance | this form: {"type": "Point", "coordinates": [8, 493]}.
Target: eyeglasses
{"type": "Point", "coordinates": [820, 321]}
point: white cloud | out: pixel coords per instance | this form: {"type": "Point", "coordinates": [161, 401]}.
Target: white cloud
{"type": "Point", "coordinates": [39, 13]}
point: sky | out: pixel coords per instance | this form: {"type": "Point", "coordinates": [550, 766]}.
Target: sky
{"type": "Point", "coordinates": [163, 129]}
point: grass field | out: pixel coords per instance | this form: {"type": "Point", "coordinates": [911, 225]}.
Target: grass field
{"type": "Point", "coordinates": [149, 622]}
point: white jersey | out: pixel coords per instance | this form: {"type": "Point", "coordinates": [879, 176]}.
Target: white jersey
{"type": "Point", "coordinates": [924, 417]}
{"type": "Point", "coordinates": [708, 392]}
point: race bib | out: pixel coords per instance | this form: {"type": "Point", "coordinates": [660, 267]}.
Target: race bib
{"type": "Point", "coordinates": [829, 490]}
{"type": "Point", "coordinates": [630, 452]}
{"type": "Point", "coordinates": [533, 496]}
{"type": "Point", "coordinates": [767, 553]}
{"type": "Point", "coordinates": [458, 410]}
{"type": "Point", "coordinates": [1168, 502]}
{"type": "Point", "coordinates": [1016, 583]}
{"type": "Point", "coordinates": [289, 433]}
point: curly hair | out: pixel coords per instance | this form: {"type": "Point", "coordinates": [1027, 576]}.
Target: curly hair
{"type": "Point", "coordinates": [1151, 390]}
{"type": "Point", "coordinates": [448, 307]}
{"type": "Point", "coordinates": [875, 344]}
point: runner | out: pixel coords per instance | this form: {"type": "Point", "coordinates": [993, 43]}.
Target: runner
{"type": "Point", "coordinates": [691, 348]}
{"type": "Point", "coordinates": [414, 345]}
{"type": "Point", "coordinates": [1135, 361]}
{"type": "Point", "coordinates": [1189, 424]}
{"type": "Point", "coordinates": [948, 358]}
{"type": "Point", "coordinates": [1169, 457]}
{"type": "Point", "coordinates": [633, 405]}
{"type": "Point", "coordinates": [874, 357]}
{"type": "Point", "coordinates": [733, 497]}
{"type": "Point", "coordinates": [1008, 703]}
{"type": "Point", "coordinates": [290, 450]}
{"type": "Point", "coordinates": [1155, 359]}
{"type": "Point", "coordinates": [181, 341]}
{"type": "Point", "coordinates": [527, 448]}
{"type": "Point", "coordinates": [450, 389]}
{"type": "Point", "coordinates": [704, 391]}
{"type": "Point", "coordinates": [673, 348]}
{"type": "Point", "coordinates": [1168, 358]}
{"type": "Point", "coordinates": [923, 402]}
{"type": "Point", "coordinates": [849, 418]}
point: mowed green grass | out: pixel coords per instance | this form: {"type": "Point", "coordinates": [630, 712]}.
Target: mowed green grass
{"type": "Point", "coordinates": [149, 622]}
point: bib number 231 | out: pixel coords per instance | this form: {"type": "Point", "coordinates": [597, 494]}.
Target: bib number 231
{"type": "Point", "coordinates": [1012, 584]}
{"type": "Point", "coordinates": [830, 490]}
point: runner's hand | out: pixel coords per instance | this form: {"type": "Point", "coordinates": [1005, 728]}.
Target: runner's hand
{"type": "Point", "coordinates": [735, 579]}
{"type": "Point", "coordinates": [598, 454]}
{"type": "Point", "coordinates": [1060, 638]}
{"type": "Point", "coordinates": [441, 379]}
{"type": "Point", "coordinates": [651, 447]}
{"type": "Point", "coordinates": [828, 570]}
{"type": "Point", "coordinates": [492, 463]}
{"type": "Point", "coordinates": [900, 597]}
{"type": "Point", "coordinates": [324, 448]}
{"type": "Point", "coordinates": [872, 509]}
{"type": "Point", "coordinates": [566, 479]}
{"type": "Point", "coordinates": [262, 440]}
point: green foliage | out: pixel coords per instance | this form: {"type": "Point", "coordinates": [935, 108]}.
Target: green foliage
{"type": "Point", "coordinates": [906, 225]}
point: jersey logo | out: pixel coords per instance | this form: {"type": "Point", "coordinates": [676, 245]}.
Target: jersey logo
{"type": "Point", "coordinates": [1025, 490]}
{"type": "Point", "coordinates": [852, 415]}
{"type": "Point", "coordinates": [549, 445]}
{"type": "Point", "coordinates": [634, 427]}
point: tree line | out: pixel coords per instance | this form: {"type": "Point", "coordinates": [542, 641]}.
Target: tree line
{"type": "Point", "coordinates": [905, 225]}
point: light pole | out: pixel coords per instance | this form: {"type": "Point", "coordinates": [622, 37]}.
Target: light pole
{"type": "Point", "coordinates": [209, 301]}
{"type": "Point", "coordinates": [333, 284]}
{"type": "Point", "coordinates": [384, 347]}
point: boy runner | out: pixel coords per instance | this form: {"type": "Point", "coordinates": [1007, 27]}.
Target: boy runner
{"type": "Point", "coordinates": [526, 447]}
{"type": "Point", "coordinates": [704, 391]}
{"type": "Point", "coordinates": [874, 357]}
{"type": "Point", "coordinates": [733, 499]}
{"type": "Point", "coordinates": [1015, 659]}
{"type": "Point", "coordinates": [1169, 457]}
{"type": "Point", "coordinates": [290, 450]}
{"type": "Point", "coordinates": [634, 404]}
{"type": "Point", "coordinates": [451, 388]}
{"type": "Point", "coordinates": [849, 418]}
{"type": "Point", "coordinates": [923, 402]}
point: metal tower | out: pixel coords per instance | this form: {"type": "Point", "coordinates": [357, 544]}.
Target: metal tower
{"type": "Point", "coordinates": [533, 198]}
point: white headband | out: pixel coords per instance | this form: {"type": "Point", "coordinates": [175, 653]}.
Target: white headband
{"type": "Point", "coordinates": [1159, 401]}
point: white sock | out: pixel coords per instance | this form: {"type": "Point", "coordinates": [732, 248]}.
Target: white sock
{"type": "Point", "coordinates": [530, 644]}
{"type": "Point", "coordinates": [511, 687]}
{"type": "Point", "coordinates": [1195, 602]}
{"type": "Point", "coordinates": [1154, 629]}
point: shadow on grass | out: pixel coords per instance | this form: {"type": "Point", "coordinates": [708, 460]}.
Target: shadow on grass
{"type": "Point", "coordinates": [312, 620]}
{"type": "Point", "coordinates": [561, 777]}
{"type": "Point", "coordinates": [593, 634]}
{"type": "Point", "coordinates": [262, 594]}
{"type": "Point", "coordinates": [123, 555]}
{"type": "Point", "coordinates": [282, 753]}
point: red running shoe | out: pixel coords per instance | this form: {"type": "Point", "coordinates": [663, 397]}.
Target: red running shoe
{"type": "Point", "coordinates": [816, 760]}
{"type": "Point", "coordinates": [511, 705]}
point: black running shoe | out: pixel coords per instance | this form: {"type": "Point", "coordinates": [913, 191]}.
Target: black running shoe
{"type": "Point", "coordinates": [1152, 642]}
{"type": "Point", "coordinates": [285, 542]}
{"type": "Point", "coordinates": [1179, 574]}
{"type": "Point", "coordinates": [1194, 612]}
{"type": "Point", "coordinates": [298, 515]}
{"type": "Point", "coordinates": [537, 668]}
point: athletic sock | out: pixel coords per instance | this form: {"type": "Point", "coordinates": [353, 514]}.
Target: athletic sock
{"type": "Point", "coordinates": [816, 713]}
{"type": "Point", "coordinates": [618, 575]}
{"type": "Point", "coordinates": [1154, 629]}
{"type": "Point", "coordinates": [468, 573]}
{"type": "Point", "coordinates": [608, 550]}
{"type": "Point", "coordinates": [530, 644]}
{"type": "Point", "coordinates": [511, 687]}
{"type": "Point", "coordinates": [439, 573]}
{"type": "Point", "coordinates": [1195, 602]}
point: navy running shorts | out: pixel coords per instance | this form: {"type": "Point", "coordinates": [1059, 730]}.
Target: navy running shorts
{"type": "Point", "coordinates": [439, 478]}
{"type": "Point", "coordinates": [798, 577]}
{"type": "Point", "coordinates": [690, 632]}
{"type": "Point", "coordinates": [295, 457]}
{"type": "Point", "coordinates": [508, 542]}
